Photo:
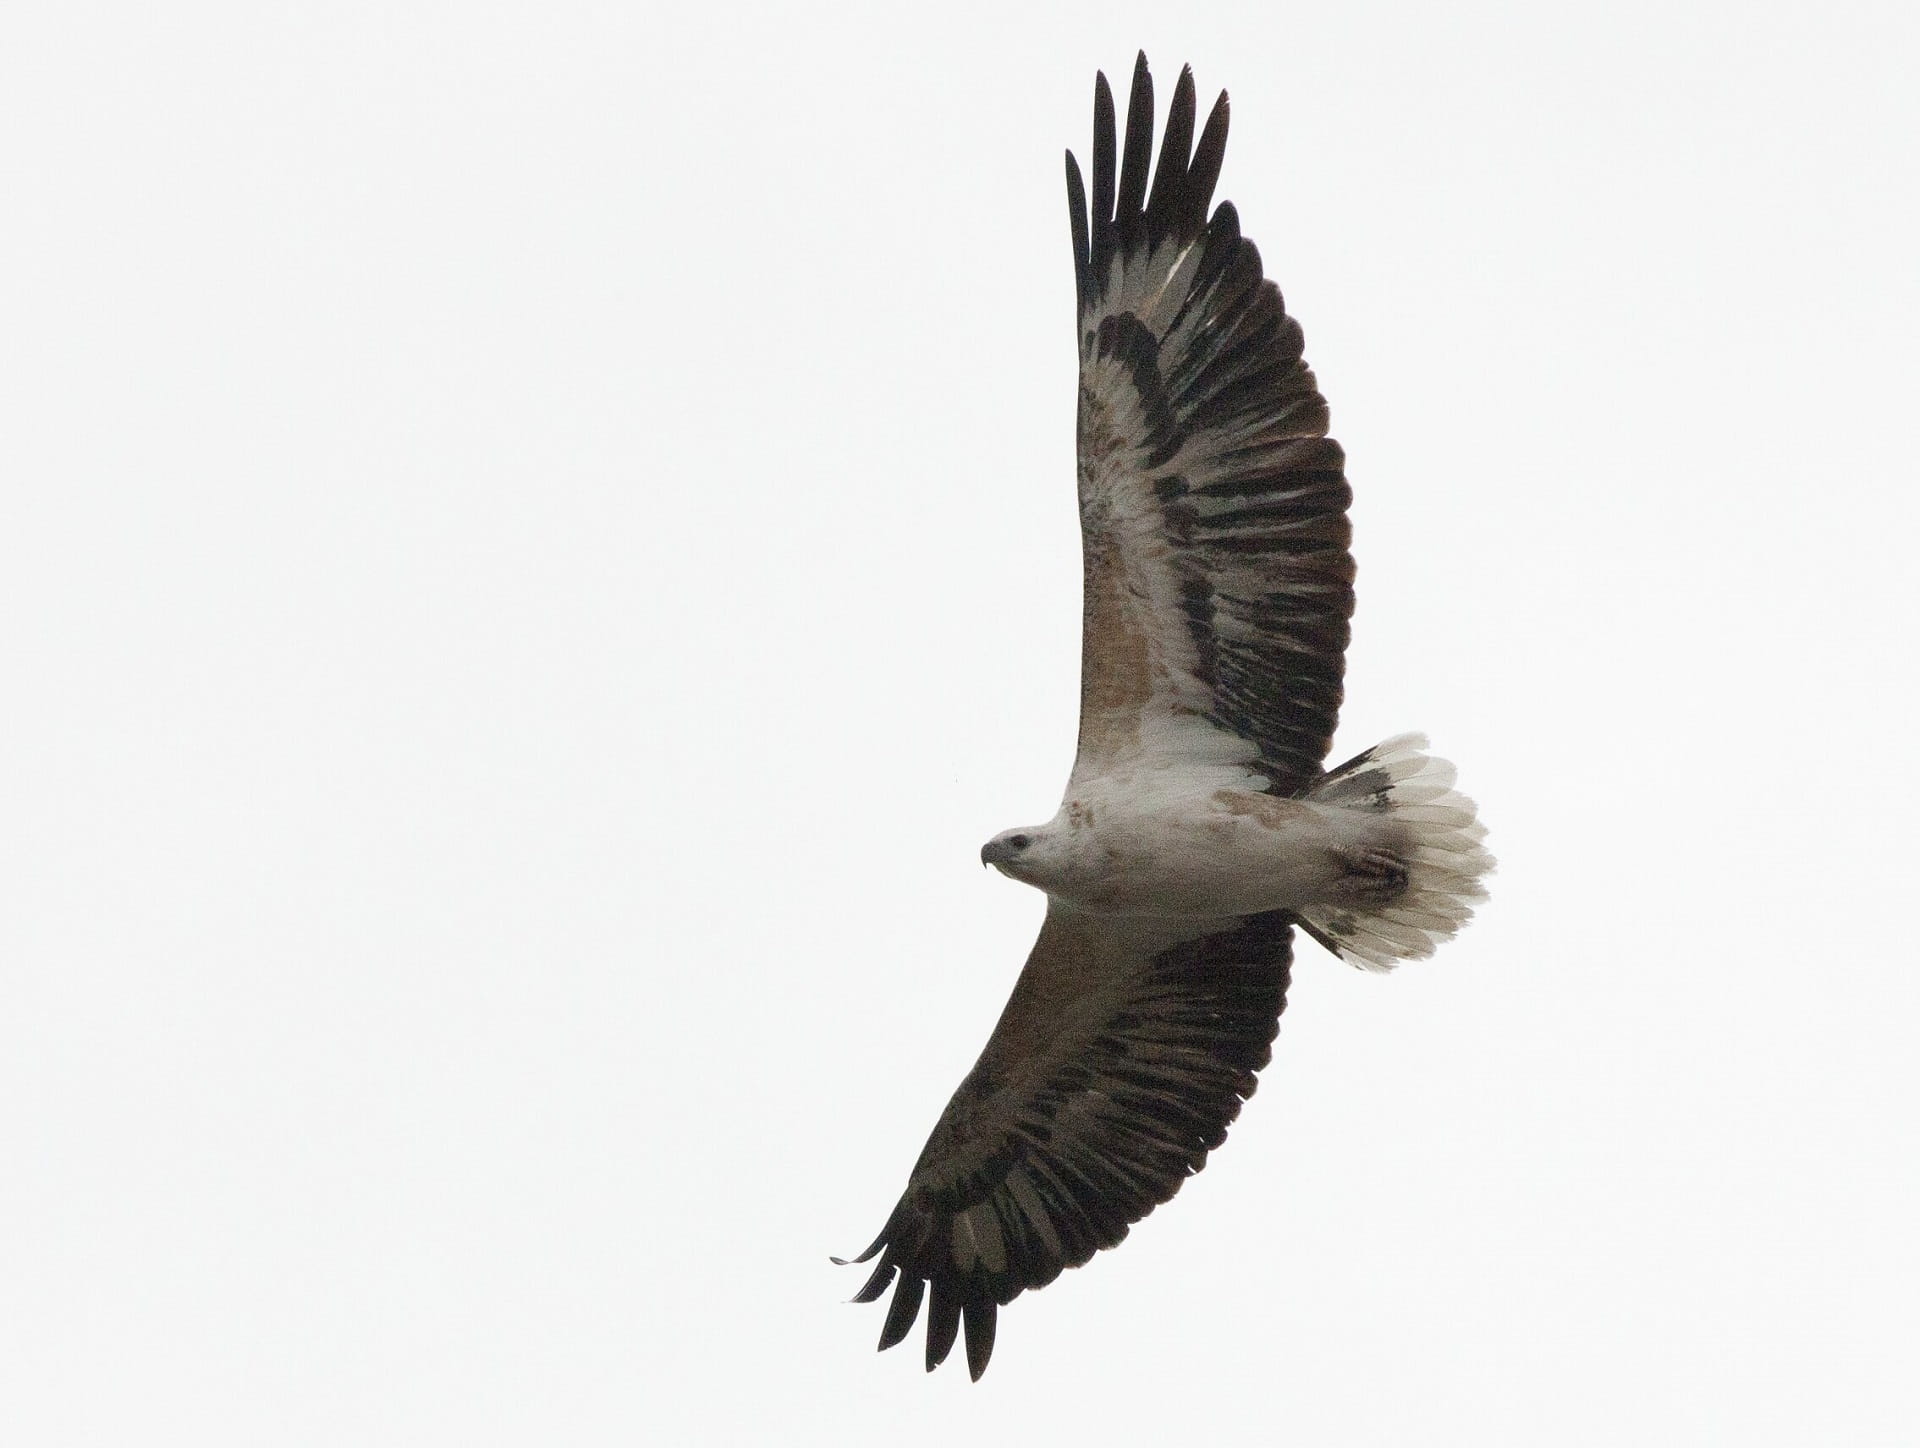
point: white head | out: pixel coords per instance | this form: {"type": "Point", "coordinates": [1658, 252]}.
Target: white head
{"type": "Point", "coordinates": [1030, 853]}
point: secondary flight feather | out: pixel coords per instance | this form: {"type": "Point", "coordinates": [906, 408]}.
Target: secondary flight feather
{"type": "Point", "coordinates": [1199, 825]}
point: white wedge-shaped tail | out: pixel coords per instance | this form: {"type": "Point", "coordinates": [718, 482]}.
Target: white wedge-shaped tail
{"type": "Point", "coordinates": [1436, 837]}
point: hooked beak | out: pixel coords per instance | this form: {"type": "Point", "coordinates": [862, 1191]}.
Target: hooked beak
{"type": "Point", "coordinates": [995, 852]}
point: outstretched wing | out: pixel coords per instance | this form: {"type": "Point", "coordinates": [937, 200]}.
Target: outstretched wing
{"type": "Point", "coordinates": [1119, 1061]}
{"type": "Point", "coordinates": [1212, 503]}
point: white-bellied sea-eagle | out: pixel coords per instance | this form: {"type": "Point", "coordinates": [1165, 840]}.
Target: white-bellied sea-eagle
{"type": "Point", "coordinates": [1199, 826]}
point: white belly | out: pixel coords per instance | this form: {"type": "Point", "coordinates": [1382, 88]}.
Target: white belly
{"type": "Point", "coordinates": [1176, 851]}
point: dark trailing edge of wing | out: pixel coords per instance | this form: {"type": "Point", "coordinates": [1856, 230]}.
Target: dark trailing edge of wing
{"type": "Point", "coordinates": [1266, 581]}
{"type": "Point", "coordinates": [1052, 1173]}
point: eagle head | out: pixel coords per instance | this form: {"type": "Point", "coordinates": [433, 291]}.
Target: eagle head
{"type": "Point", "coordinates": [1018, 853]}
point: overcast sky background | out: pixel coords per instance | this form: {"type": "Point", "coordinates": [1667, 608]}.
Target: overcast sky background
{"type": "Point", "coordinates": [537, 541]}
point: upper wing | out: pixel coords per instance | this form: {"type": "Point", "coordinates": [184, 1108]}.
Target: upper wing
{"type": "Point", "coordinates": [1212, 503]}
{"type": "Point", "coordinates": [1121, 1057]}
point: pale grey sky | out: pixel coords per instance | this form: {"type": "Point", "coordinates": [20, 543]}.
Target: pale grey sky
{"type": "Point", "coordinates": [539, 541]}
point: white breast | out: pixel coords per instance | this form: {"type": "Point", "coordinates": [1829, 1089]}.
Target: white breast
{"type": "Point", "coordinates": [1191, 843]}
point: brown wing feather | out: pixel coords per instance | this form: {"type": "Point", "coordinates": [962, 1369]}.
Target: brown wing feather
{"type": "Point", "coordinates": [1122, 1056]}
{"type": "Point", "coordinates": [1213, 505]}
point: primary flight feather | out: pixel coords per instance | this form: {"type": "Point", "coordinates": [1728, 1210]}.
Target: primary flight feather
{"type": "Point", "coordinates": [1199, 825]}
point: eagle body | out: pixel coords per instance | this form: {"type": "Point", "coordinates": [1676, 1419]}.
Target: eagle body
{"type": "Point", "coordinates": [1193, 843]}
{"type": "Point", "coordinates": [1200, 827]}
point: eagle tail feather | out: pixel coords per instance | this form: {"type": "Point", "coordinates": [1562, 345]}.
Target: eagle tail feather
{"type": "Point", "coordinates": [1418, 890]}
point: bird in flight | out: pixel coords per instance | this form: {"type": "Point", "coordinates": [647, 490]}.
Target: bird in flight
{"type": "Point", "coordinates": [1199, 826]}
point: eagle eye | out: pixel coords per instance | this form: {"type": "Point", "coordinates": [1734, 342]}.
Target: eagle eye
{"type": "Point", "coordinates": [1019, 842]}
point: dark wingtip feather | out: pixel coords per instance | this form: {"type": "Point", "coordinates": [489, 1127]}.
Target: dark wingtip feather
{"type": "Point", "coordinates": [903, 1310]}
{"type": "Point", "coordinates": [876, 1284]}
{"type": "Point", "coordinates": [981, 1320]}
{"type": "Point", "coordinates": [1204, 173]}
{"type": "Point", "coordinates": [1165, 207]}
{"type": "Point", "coordinates": [1100, 248]}
{"type": "Point", "coordinates": [943, 1322]}
{"type": "Point", "coordinates": [1124, 213]}
{"type": "Point", "coordinates": [1136, 154]}
{"type": "Point", "coordinates": [1105, 146]}
{"type": "Point", "coordinates": [1077, 216]}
